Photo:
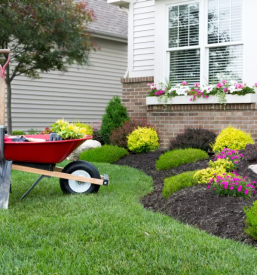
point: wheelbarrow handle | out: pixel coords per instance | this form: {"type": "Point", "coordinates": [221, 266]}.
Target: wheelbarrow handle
{"type": "Point", "coordinates": [5, 50]}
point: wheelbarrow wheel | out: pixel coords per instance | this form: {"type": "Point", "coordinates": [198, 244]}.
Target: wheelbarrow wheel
{"type": "Point", "coordinates": [80, 168]}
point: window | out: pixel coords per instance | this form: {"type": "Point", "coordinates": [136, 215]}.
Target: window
{"type": "Point", "coordinates": [207, 54]}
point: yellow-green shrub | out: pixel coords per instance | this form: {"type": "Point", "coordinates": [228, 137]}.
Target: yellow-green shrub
{"type": "Point", "coordinates": [225, 163]}
{"type": "Point", "coordinates": [232, 138]}
{"type": "Point", "coordinates": [143, 140]}
{"type": "Point", "coordinates": [84, 128]}
{"type": "Point", "coordinates": [205, 175]}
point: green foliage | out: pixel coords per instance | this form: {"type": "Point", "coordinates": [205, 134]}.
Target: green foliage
{"type": "Point", "coordinates": [225, 163]}
{"type": "Point", "coordinates": [205, 175]}
{"type": "Point", "coordinates": [84, 128]}
{"type": "Point", "coordinates": [66, 130]}
{"type": "Point", "coordinates": [178, 182]}
{"type": "Point", "coordinates": [178, 157]}
{"type": "Point", "coordinates": [232, 138]}
{"type": "Point", "coordinates": [115, 115]}
{"type": "Point", "coordinates": [33, 132]}
{"type": "Point", "coordinates": [251, 220]}
{"type": "Point", "coordinates": [18, 133]}
{"type": "Point", "coordinates": [104, 154]}
{"type": "Point", "coordinates": [143, 140]}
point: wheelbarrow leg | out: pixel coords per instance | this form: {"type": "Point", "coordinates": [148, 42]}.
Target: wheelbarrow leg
{"type": "Point", "coordinates": [33, 185]}
{"type": "Point", "coordinates": [5, 173]}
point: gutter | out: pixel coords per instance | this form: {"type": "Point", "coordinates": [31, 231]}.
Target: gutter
{"type": "Point", "coordinates": [109, 36]}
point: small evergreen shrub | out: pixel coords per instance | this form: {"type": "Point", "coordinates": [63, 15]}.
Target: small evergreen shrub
{"type": "Point", "coordinates": [119, 136]}
{"type": "Point", "coordinates": [232, 138]}
{"type": "Point", "coordinates": [178, 157]}
{"type": "Point", "coordinates": [178, 182]}
{"type": "Point", "coordinates": [194, 138]}
{"type": "Point", "coordinates": [18, 133]}
{"type": "Point", "coordinates": [104, 154]}
{"type": "Point", "coordinates": [116, 114]}
{"type": "Point", "coordinates": [143, 140]}
{"type": "Point", "coordinates": [251, 220]}
{"type": "Point", "coordinates": [84, 128]}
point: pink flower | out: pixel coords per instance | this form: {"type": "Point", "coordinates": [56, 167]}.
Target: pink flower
{"type": "Point", "coordinates": [239, 188]}
{"type": "Point", "coordinates": [224, 81]}
{"type": "Point", "coordinates": [219, 85]}
{"type": "Point", "coordinates": [191, 99]}
{"type": "Point", "coordinates": [153, 84]}
{"type": "Point", "coordinates": [208, 186]}
{"type": "Point", "coordinates": [236, 161]}
{"type": "Point", "coordinates": [231, 187]}
{"type": "Point", "coordinates": [184, 83]}
{"type": "Point", "coordinates": [206, 96]}
{"type": "Point", "coordinates": [148, 84]}
{"type": "Point", "coordinates": [225, 90]}
{"type": "Point", "coordinates": [255, 84]}
{"type": "Point", "coordinates": [238, 86]}
{"type": "Point", "coordinates": [246, 191]}
{"type": "Point", "coordinates": [197, 84]}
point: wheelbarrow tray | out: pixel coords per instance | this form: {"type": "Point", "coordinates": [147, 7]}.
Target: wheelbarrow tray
{"type": "Point", "coordinates": [41, 152]}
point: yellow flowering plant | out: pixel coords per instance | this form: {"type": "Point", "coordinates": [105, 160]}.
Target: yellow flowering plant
{"type": "Point", "coordinates": [205, 175]}
{"type": "Point", "coordinates": [66, 130]}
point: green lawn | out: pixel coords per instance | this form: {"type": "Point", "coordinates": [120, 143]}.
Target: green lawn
{"type": "Point", "coordinates": [107, 233]}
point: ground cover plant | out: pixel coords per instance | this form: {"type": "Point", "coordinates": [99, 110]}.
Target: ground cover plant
{"type": "Point", "coordinates": [105, 154]}
{"type": "Point", "coordinates": [143, 140]}
{"type": "Point", "coordinates": [18, 133]}
{"type": "Point", "coordinates": [107, 233]}
{"type": "Point", "coordinates": [178, 182]}
{"type": "Point", "coordinates": [251, 220]}
{"type": "Point", "coordinates": [232, 138]}
{"type": "Point", "coordinates": [194, 138]}
{"type": "Point", "coordinates": [178, 157]}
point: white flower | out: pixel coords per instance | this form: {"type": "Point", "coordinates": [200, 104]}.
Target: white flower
{"type": "Point", "coordinates": [208, 89]}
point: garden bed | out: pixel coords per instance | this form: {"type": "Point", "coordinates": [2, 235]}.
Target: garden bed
{"type": "Point", "coordinates": [196, 205]}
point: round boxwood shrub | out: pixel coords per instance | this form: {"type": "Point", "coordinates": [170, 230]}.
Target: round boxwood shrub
{"type": "Point", "coordinates": [116, 114]}
{"type": "Point", "coordinates": [104, 154]}
{"type": "Point", "coordinates": [194, 138]}
{"type": "Point", "coordinates": [232, 138]}
{"type": "Point", "coordinates": [178, 182]}
{"type": "Point", "coordinates": [178, 157]}
{"type": "Point", "coordinates": [251, 220]}
{"type": "Point", "coordinates": [18, 133]}
{"type": "Point", "coordinates": [143, 140]}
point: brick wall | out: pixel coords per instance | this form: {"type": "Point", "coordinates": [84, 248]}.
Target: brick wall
{"type": "Point", "coordinates": [173, 119]}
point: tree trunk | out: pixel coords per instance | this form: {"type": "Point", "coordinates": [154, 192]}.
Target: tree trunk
{"type": "Point", "coordinates": [9, 102]}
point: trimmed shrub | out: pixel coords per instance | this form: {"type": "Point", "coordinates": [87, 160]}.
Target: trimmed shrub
{"type": "Point", "coordinates": [143, 140]}
{"type": "Point", "coordinates": [104, 154]}
{"type": "Point", "coordinates": [251, 220]}
{"type": "Point", "coordinates": [84, 128]}
{"type": "Point", "coordinates": [194, 138]}
{"type": "Point", "coordinates": [178, 182]}
{"type": "Point", "coordinates": [178, 157]}
{"type": "Point", "coordinates": [232, 138]}
{"type": "Point", "coordinates": [115, 116]}
{"type": "Point", "coordinates": [18, 133]}
{"type": "Point", "coordinates": [119, 136]}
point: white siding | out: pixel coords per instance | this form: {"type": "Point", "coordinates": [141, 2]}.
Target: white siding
{"type": "Point", "coordinates": [81, 94]}
{"type": "Point", "coordinates": [143, 38]}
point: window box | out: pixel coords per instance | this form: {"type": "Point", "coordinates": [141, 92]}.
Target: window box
{"type": "Point", "coordinates": [231, 99]}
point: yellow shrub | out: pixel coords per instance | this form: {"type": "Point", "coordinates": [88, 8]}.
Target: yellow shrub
{"type": "Point", "coordinates": [228, 165]}
{"type": "Point", "coordinates": [84, 128]}
{"type": "Point", "coordinates": [205, 175]}
{"type": "Point", "coordinates": [143, 140]}
{"type": "Point", "coordinates": [232, 138]}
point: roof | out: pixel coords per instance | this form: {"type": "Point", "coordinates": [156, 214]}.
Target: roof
{"type": "Point", "coordinates": [110, 20]}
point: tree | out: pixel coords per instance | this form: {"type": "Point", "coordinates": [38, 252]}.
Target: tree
{"type": "Point", "coordinates": [43, 35]}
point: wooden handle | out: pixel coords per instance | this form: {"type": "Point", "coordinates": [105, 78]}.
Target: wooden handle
{"type": "Point", "coordinates": [5, 51]}
{"type": "Point", "coordinates": [2, 101]}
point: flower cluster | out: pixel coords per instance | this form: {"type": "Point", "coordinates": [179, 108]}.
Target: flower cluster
{"type": "Point", "coordinates": [232, 185]}
{"type": "Point", "coordinates": [232, 155]}
{"type": "Point", "coordinates": [197, 92]}
{"type": "Point", "coordinates": [159, 93]}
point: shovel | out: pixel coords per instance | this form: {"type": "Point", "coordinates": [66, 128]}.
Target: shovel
{"type": "Point", "coordinates": [5, 166]}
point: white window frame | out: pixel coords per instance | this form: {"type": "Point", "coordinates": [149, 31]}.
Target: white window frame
{"type": "Point", "coordinates": [203, 39]}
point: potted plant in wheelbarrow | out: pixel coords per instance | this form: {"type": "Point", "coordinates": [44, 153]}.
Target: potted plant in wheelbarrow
{"type": "Point", "coordinates": [39, 154]}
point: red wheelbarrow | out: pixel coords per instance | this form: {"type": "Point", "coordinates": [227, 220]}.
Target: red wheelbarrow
{"type": "Point", "coordinates": [41, 158]}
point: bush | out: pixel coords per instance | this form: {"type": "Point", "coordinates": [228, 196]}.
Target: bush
{"type": "Point", "coordinates": [97, 136]}
{"type": "Point", "coordinates": [177, 157]}
{"type": "Point", "coordinates": [178, 182]}
{"type": "Point", "coordinates": [232, 155]}
{"type": "Point", "coordinates": [33, 132]}
{"type": "Point", "coordinates": [66, 130]}
{"type": "Point", "coordinates": [204, 176]}
{"type": "Point", "coordinates": [18, 133]}
{"type": "Point", "coordinates": [232, 138]}
{"type": "Point", "coordinates": [143, 140]}
{"type": "Point", "coordinates": [251, 220]}
{"type": "Point", "coordinates": [105, 154]}
{"type": "Point", "coordinates": [116, 115]}
{"type": "Point", "coordinates": [84, 128]}
{"type": "Point", "coordinates": [119, 136]}
{"type": "Point", "coordinates": [228, 165]}
{"type": "Point", "coordinates": [194, 138]}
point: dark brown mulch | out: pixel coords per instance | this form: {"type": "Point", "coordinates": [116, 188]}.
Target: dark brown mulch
{"type": "Point", "coordinates": [196, 205]}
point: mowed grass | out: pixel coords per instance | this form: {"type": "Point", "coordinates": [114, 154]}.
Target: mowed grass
{"type": "Point", "coordinates": [107, 233]}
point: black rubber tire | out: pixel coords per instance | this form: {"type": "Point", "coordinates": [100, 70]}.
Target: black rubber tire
{"type": "Point", "coordinates": [80, 165]}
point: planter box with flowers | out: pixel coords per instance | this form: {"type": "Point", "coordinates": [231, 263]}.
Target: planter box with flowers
{"type": "Point", "coordinates": [221, 93]}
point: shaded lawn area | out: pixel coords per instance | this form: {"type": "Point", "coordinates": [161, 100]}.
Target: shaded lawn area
{"type": "Point", "coordinates": [107, 233]}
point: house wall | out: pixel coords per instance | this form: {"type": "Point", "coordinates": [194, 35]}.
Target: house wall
{"type": "Point", "coordinates": [81, 94]}
{"type": "Point", "coordinates": [174, 119]}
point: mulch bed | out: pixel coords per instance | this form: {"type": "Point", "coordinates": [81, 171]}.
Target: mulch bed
{"type": "Point", "coordinates": [196, 205]}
